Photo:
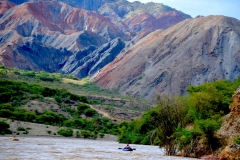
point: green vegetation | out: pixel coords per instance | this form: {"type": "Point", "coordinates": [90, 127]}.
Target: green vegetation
{"type": "Point", "coordinates": [237, 140]}
{"type": "Point", "coordinates": [15, 94]}
{"type": "Point", "coordinates": [180, 123]}
{"type": "Point", "coordinates": [57, 80]}
{"type": "Point", "coordinates": [66, 132]}
{"type": "Point", "coordinates": [4, 128]}
{"type": "Point", "coordinates": [21, 129]}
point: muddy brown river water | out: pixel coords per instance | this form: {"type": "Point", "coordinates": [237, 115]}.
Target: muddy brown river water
{"type": "Point", "coordinates": [44, 148]}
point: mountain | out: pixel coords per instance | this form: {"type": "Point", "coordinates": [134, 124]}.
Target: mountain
{"type": "Point", "coordinates": [146, 21]}
{"type": "Point", "coordinates": [47, 35]}
{"type": "Point", "coordinates": [5, 6]}
{"type": "Point", "coordinates": [44, 35]}
{"type": "Point", "coordinates": [84, 4]}
{"type": "Point", "coordinates": [121, 12]}
{"type": "Point", "coordinates": [165, 62]}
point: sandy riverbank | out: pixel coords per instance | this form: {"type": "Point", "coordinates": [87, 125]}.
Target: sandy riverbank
{"type": "Point", "coordinates": [42, 130]}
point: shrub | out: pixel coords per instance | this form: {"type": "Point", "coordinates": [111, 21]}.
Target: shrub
{"type": "Point", "coordinates": [101, 135]}
{"type": "Point", "coordinates": [90, 112]}
{"type": "Point", "coordinates": [78, 134]}
{"type": "Point", "coordinates": [21, 129]}
{"type": "Point", "coordinates": [82, 107]}
{"type": "Point", "coordinates": [4, 128]}
{"type": "Point", "coordinates": [66, 132]}
{"type": "Point", "coordinates": [85, 134]}
{"type": "Point", "coordinates": [237, 140]}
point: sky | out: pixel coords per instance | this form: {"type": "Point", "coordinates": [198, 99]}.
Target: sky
{"type": "Point", "coordinates": [230, 8]}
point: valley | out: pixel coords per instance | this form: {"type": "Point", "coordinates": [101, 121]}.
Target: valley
{"type": "Point", "coordinates": [114, 70]}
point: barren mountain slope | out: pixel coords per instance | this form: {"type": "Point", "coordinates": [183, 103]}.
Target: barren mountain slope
{"type": "Point", "coordinates": [165, 62]}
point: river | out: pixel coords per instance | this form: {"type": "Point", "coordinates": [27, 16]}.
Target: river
{"type": "Point", "coordinates": [75, 149]}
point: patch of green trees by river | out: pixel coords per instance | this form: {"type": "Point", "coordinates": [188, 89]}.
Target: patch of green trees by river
{"type": "Point", "coordinates": [180, 123]}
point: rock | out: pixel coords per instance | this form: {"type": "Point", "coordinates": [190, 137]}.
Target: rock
{"type": "Point", "coordinates": [231, 129]}
{"type": "Point", "coordinates": [231, 152]}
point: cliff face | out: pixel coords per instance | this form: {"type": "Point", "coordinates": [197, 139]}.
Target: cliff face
{"type": "Point", "coordinates": [165, 62]}
{"type": "Point", "coordinates": [90, 60]}
{"type": "Point", "coordinates": [231, 130]}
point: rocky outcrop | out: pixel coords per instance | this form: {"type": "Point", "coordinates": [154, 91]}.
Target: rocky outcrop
{"type": "Point", "coordinates": [91, 60]}
{"type": "Point", "coordinates": [231, 152]}
{"type": "Point", "coordinates": [32, 55]}
{"type": "Point", "coordinates": [231, 130]}
{"type": "Point", "coordinates": [166, 62]}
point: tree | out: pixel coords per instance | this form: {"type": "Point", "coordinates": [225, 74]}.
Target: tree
{"type": "Point", "coordinates": [169, 116]}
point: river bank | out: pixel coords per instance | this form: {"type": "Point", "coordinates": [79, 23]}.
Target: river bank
{"type": "Point", "coordinates": [42, 130]}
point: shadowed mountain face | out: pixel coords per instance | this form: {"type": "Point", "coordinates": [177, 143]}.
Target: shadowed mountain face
{"type": "Point", "coordinates": [90, 60]}
{"type": "Point", "coordinates": [165, 62]}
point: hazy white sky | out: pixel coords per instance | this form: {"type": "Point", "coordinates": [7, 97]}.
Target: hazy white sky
{"type": "Point", "coordinates": [230, 8]}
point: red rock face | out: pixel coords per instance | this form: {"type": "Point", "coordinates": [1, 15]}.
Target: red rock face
{"type": "Point", "coordinates": [5, 6]}
{"type": "Point", "coordinates": [55, 16]}
{"type": "Point", "coordinates": [168, 19]}
{"type": "Point", "coordinates": [146, 21]}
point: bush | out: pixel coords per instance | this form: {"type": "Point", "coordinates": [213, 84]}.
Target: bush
{"type": "Point", "coordinates": [4, 128]}
{"type": "Point", "coordinates": [21, 129]}
{"type": "Point", "coordinates": [85, 134]}
{"type": "Point", "coordinates": [90, 112]}
{"type": "Point", "coordinates": [101, 135]}
{"type": "Point", "coordinates": [81, 107]}
{"type": "Point", "coordinates": [237, 140]}
{"type": "Point", "coordinates": [66, 132]}
{"type": "Point", "coordinates": [78, 134]}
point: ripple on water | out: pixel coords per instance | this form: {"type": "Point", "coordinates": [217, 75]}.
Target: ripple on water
{"type": "Point", "coordinates": [63, 148]}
